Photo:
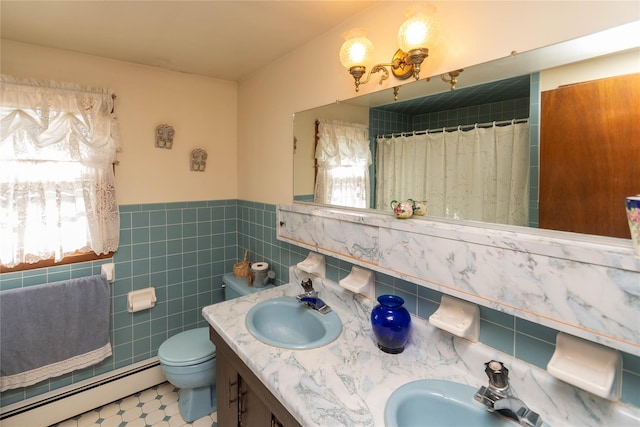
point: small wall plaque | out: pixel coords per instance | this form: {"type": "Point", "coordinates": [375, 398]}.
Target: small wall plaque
{"type": "Point", "coordinates": [164, 136]}
{"type": "Point", "coordinates": [198, 160]}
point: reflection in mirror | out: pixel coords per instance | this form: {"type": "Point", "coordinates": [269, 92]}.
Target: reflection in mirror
{"type": "Point", "coordinates": [343, 158]}
{"type": "Point", "coordinates": [474, 102]}
{"type": "Point", "coordinates": [466, 155]}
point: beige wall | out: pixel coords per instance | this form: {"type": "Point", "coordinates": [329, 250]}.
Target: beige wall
{"type": "Point", "coordinates": [599, 68]}
{"type": "Point", "coordinates": [473, 33]}
{"type": "Point", "coordinates": [202, 111]}
{"type": "Point", "coordinates": [247, 129]}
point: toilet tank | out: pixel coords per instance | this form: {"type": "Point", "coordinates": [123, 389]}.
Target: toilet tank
{"type": "Point", "coordinates": [239, 286]}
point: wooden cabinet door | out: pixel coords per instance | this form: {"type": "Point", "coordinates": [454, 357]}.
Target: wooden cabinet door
{"type": "Point", "coordinates": [590, 155]}
{"type": "Point", "coordinates": [252, 410]}
{"type": "Point", "coordinates": [227, 383]}
{"type": "Point", "coordinates": [243, 400]}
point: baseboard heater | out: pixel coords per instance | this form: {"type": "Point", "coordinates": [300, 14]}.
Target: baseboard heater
{"type": "Point", "coordinates": [75, 399]}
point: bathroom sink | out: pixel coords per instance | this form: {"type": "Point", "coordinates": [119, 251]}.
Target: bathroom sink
{"type": "Point", "coordinates": [284, 322]}
{"type": "Point", "coordinates": [437, 403]}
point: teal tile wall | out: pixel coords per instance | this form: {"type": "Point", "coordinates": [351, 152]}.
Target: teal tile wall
{"type": "Point", "coordinates": [257, 233]}
{"type": "Point", "coordinates": [534, 147]}
{"type": "Point", "coordinates": [183, 249]}
{"type": "Point", "coordinates": [385, 122]}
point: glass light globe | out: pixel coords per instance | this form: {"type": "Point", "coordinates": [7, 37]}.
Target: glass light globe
{"type": "Point", "coordinates": [419, 31]}
{"type": "Point", "coordinates": [357, 48]}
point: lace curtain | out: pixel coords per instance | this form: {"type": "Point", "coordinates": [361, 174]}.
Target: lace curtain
{"type": "Point", "coordinates": [343, 157]}
{"type": "Point", "coordinates": [58, 143]}
{"type": "Point", "coordinates": [481, 174]}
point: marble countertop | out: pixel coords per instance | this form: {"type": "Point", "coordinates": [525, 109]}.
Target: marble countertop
{"type": "Point", "coordinates": [347, 382]}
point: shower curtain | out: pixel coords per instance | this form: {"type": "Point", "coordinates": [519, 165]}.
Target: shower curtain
{"type": "Point", "coordinates": [480, 174]}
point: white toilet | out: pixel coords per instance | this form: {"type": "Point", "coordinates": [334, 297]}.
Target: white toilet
{"type": "Point", "coordinates": [188, 360]}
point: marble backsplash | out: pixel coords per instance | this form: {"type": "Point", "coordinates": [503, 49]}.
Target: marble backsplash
{"type": "Point", "coordinates": [586, 286]}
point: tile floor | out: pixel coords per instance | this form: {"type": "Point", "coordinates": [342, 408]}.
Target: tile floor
{"type": "Point", "coordinates": [155, 407]}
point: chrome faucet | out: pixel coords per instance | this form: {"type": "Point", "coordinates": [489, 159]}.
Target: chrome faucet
{"type": "Point", "coordinates": [310, 297]}
{"type": "Point", "coordinates": [498, 397]}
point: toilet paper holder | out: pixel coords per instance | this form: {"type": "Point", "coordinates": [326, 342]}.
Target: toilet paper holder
{"type": "Point", "coordinates": [142, 299]}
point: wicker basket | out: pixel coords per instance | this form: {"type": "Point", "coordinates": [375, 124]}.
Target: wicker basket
{"type": "Point", "coordinates": [241, 269]}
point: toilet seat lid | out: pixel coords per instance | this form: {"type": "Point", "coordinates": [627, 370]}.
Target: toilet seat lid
{"type": "Point", "coordinates": [187, 348]}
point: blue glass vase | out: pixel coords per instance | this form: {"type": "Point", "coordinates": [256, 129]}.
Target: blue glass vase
{"type": "Point", "coordinates": [391, 323]}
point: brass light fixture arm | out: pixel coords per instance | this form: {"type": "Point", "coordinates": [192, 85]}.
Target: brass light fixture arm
{"type": "Point", "coordinates": [358, 71]}
{"type": "Point", "coordinates": [414, 58]}
{"type": "Point", "coordinates": [453, 78]}
{"type": "Point", "coordinates": [403, 65]}
{"type": "Point", "coordinates": [396, 89]}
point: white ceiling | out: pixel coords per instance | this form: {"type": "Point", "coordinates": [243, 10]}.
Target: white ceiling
{"type": "Point", "coordinates": [222, 39]}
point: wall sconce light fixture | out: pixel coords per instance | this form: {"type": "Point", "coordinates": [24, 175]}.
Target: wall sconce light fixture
{"type": "Point", "coordinates": [415, 35]}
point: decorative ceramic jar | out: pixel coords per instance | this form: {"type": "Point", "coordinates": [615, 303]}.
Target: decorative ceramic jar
{"type": "Point", "coordinates": [633, 216]}
{"type": "Point", "coordinates": [419, 208]}
{"type": "Point", "coordinates": [391, 323]}
{"type": "Point", "coordinates": [403, 210]}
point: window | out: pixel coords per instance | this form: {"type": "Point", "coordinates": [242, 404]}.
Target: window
{"type": "Point", "coordinates": [343, 158]}
{"type": "Point", "coordinates": [57, 187]}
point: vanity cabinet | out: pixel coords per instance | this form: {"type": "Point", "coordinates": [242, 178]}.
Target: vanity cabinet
{"type": "Point", "coordinates": [243, 400]}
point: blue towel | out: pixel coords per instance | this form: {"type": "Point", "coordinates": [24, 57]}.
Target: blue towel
{"type": "Point", "coordinates": [52, 329]}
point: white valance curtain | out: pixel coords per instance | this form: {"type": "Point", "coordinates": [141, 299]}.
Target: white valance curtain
{"type": "Point", "coordinates": [480, 174]}
{"type": "Point", "coordinates": [343, 158]}
{"type": "Point", "coordinates": [58, 143]}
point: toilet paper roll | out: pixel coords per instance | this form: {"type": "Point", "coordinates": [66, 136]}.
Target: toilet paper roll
{"type": "Point", "coordinates": [259, 270]}
{"type": "Point", "coordinates": [142, 299]}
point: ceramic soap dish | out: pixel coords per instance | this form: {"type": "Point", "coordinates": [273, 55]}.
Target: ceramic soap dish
{"type": "Point", "coordinates": [313, 264]}
{"type": "Point", "coordinates": [587, 365]}
{"type": "Point", "coordinates": [360, 281]}
{"type": "Point", "coordinates": [458, 317]}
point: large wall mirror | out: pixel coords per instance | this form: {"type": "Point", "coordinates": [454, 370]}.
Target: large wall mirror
{"type": "Point", "coordinates": [506, 94]}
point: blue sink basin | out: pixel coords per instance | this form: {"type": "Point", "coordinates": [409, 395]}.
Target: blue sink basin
{"type": "Point", "coordinates": [284, 322]}
{"type": "Point", "coordinates": [438, 403]}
